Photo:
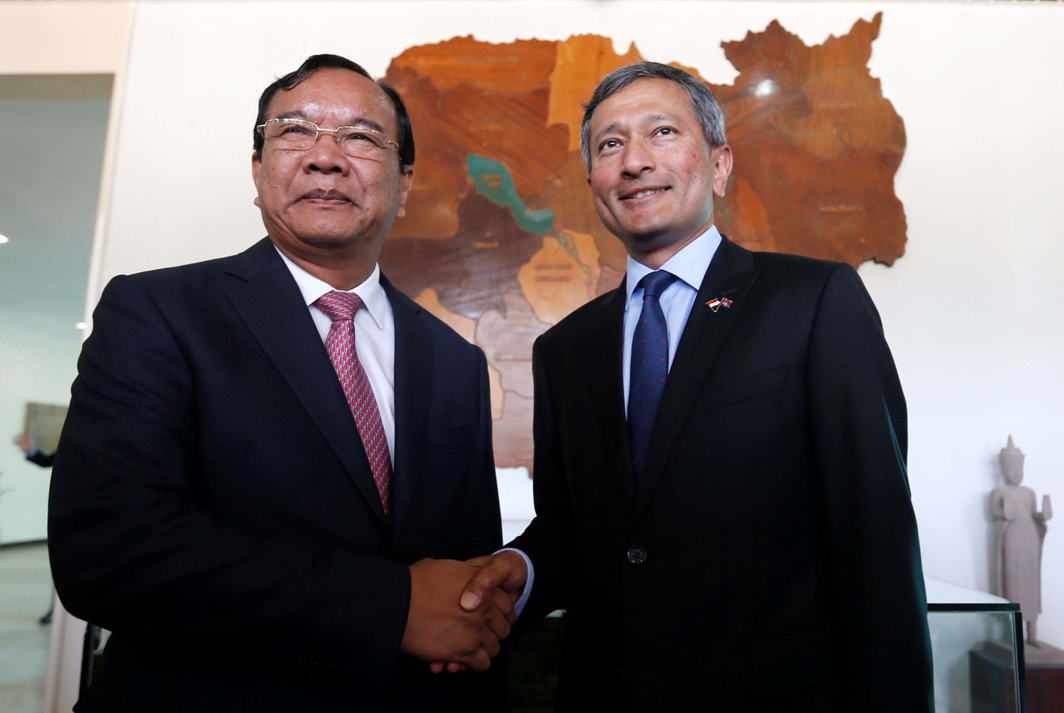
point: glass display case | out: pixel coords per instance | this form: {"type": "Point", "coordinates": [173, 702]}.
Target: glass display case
{"type": "Point", "coordinates": [977, 644]}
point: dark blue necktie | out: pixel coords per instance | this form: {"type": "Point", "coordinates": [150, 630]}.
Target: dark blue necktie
{"type": "Point", "coordinates": [650, 366]}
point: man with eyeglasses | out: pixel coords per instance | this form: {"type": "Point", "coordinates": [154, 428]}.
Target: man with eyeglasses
{"type": "Point", "coordinates": [273, 462]}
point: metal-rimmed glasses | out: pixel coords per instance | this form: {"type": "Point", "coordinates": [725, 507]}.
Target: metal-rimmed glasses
{"type": "Point", "coordinates": [300, 135]}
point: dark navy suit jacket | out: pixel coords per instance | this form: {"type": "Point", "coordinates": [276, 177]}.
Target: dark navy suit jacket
{"type": "Point", "coordinates": [767, 557]}
{"type": "Point", "coordinates": [212, 504]}
{"type": "Point", "coordinates": [41, 458]}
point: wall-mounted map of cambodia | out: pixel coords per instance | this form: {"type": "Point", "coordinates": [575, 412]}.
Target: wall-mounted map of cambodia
{"type": "Point", "coordinates": [500, 238]}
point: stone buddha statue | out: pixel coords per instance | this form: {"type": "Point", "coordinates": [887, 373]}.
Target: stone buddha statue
{"type": "Point", "coordinates": [1021, 528]}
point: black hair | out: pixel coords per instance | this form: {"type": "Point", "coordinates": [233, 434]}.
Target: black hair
{"type": "Point", "coordinates": [326, 61]}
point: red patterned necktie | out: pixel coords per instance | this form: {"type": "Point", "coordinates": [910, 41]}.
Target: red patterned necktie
{"type": "Point", "coordinates": [340, 307]}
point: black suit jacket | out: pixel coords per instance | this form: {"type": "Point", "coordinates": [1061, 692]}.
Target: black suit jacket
{"type": "Point", "coordinates": [212, 505]}
{"type": "Point", "coordinates": [41, 458]}
{"type": "Point", "coordinates": [767, 558]}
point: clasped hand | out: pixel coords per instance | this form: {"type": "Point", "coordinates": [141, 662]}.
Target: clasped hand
{"type": "Point", "coordinates": [461, 611]}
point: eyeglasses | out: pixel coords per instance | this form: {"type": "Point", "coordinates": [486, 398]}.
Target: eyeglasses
{"type": "Point", "coordinates": [301, 135]}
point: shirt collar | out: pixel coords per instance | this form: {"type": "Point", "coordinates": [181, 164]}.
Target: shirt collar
{"type": "Point", "coordinates": [311, 287]}
{"type": "Point", "coordinates": [689, 264]}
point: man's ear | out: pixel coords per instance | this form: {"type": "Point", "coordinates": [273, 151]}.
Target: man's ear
{"type": "Point", "coordinates": [406, 182]}
{"type": "Point", "coordinates": [721, 158]}
{"type": "Point", "coordinates": [256, 169]}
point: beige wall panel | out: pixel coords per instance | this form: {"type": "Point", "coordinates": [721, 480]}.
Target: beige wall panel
{"type": "Point", "coordinates": [63, 37]}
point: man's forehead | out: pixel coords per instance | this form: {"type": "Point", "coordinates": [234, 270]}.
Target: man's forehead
{"type": "Point", "coordinates": [642, 101]}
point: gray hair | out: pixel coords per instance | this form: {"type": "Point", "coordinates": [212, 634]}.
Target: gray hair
{"type": "Point", "coordinates": [708, 111]}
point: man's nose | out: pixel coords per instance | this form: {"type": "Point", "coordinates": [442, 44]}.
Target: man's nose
{"type": "Point", "coordinates": [325, 155]}
{"type": "Point", "coordinates": [638, 158]}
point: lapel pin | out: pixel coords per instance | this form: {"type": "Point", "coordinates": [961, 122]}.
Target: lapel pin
{"type": "Point", "coordinates": [717, 302]}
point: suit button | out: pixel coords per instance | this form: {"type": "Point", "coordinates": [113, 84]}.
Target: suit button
{"type": "Point", "coordinates": [637, 555]}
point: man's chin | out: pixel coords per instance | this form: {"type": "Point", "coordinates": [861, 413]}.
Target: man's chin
{"type": "Point", "coordinates": [647, 240]}
{"type": "Point", "coordinates": [660, 243]}
{"type": "Point", "coordinates": [328, 240]}
{"type": "Point", "coordinates": [329, 235]}
{"type": "Point", "coordinates": [358, 243]}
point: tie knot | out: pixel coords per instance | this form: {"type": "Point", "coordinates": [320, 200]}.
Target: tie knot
{"type": "Point", "coordinates": [339, 306]}
{"type": "Point", "coordinates": [654, 283]}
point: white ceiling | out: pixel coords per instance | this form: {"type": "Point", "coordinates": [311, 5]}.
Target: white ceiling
{"type": "Point", "coordinates": [52, 132]}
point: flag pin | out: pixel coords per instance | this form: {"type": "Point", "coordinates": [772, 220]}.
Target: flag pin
{"type": "Point", "coordinates": [717, 302]}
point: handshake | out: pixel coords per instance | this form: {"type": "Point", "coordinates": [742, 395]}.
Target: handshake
{"type": "Point", "coordinates": [461, 611]}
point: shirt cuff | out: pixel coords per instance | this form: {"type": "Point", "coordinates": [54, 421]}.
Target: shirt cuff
{"type": "Point", "coordinates": [520, 605]}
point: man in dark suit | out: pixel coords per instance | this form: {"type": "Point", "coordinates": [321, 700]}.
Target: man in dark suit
{"type": "Point", "coordinates": [35, 455]}
{"type": "Point", "coordinates": [720, 486]}
{"type": "Point", "coordinates": [33, 452]}
{"type": "Point", "coordinates": [263, 451]}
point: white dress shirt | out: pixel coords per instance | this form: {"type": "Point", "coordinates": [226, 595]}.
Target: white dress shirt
{"type": "Point", "coordinates": [375, 345]}
{"type": "Point", "coordinates": [690, 265]}
{"type": "Point", "coordinates": [374, 336]}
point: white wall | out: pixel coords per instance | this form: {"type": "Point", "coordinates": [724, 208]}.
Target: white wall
{"type": "Point", "coordinates": [36, 367]}
{"type": "Point", "coordinates": [972, 310]}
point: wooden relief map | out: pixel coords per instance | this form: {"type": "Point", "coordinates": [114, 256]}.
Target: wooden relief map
{"type": "Point", "coordinates": [501, 239]}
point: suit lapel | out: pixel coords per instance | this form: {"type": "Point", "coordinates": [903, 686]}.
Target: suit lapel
{"type": "Point", "coordinates": [268, 300]}
{"type": "Point", "coordinates": [413, 393]}
{"type": "Point", "coordinates": [605, 376]}
{"type": "Point", "coordinates": [731, 274]}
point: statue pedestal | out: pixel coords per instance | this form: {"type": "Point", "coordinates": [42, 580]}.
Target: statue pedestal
{"type": "Point", "coordinates": [1043, 669]}
{"type": "Point", "coordinates": [1043, 655]}
{"type": "Point", "coordinates": [1045, 678]}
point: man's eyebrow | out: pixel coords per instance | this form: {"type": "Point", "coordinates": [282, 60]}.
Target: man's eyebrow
{"type": "Point", "coordinates": [367, 123]}
{"type": "Point", "coordinates": [293, 114]}
{"type": "Point", "coordinates": [606, 130]}
{"type": "Point", "coordinates": [659, 117]}
{"type": "Point", "coordinates": [645, 119]}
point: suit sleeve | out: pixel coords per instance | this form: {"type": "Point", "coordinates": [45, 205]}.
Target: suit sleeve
{"type": "Point", "coordinates": [488, 512]}
{"type": "Point", "coordinates": [858, 433]}
{"type": "Point", "coordinates": [45, 460]}
{"type": "Point", "coordinates": [549, 538]}
{"type": "Point", "coordinates": [136, 548]}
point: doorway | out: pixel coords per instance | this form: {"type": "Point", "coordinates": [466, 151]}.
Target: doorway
{"type": "Point", "coordinates": [53, 130]}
